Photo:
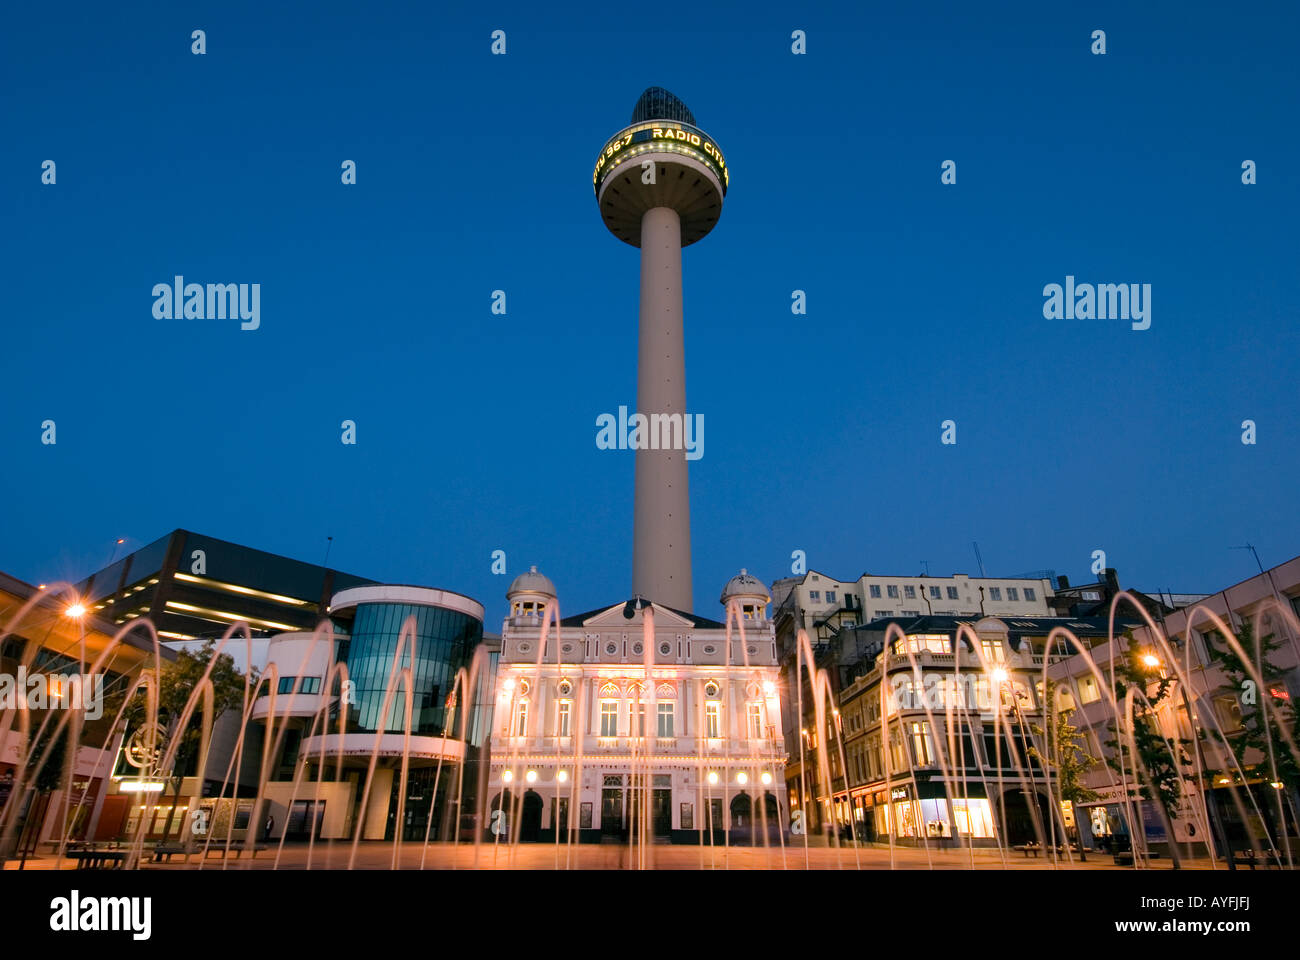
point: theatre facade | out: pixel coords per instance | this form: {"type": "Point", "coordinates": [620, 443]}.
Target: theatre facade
{"type": "Point", "coordinates": [636, 721]}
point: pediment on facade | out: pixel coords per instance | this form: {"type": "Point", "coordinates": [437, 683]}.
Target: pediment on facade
{"type": "Point", "coordinates": [612, 618]}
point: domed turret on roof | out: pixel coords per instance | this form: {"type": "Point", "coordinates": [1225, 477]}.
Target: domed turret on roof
{"type": "Point", "coordinates": [749, 593]}
{"type": "Point", "coordinates": [529, 593]}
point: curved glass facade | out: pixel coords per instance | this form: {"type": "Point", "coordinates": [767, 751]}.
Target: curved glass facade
{"type": "Point", "coordinates": [444, 642]}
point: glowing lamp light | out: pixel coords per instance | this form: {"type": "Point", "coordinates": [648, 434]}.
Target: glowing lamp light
{"type": "Point", "coordinates": [1150, 661]}
{"type": "Point", "coordinates": [562, 776]}
{"type": "Point", "coordinates": [767, 777]}
{"type": "Point", "coordinates": [76, 610]}
{"type": "Point", "coordinates": [1276, 784]}
{"type": "Point", "coordinates": [508, 776]}
{"type": "Point", "coordinates": [140, 786]}
{"type": "Point", "coordinates": [999, 675]}
{"type": "Point", "coordinates": [742, 777]}
{"type": "Point", "coordinates": [769, 687]}
{"type": "Point", "coordinates": [531, 776]}
{"type": "Point", "coordinates": [713, 776]}
{"type": "Point", "coordinates": [509, 684]}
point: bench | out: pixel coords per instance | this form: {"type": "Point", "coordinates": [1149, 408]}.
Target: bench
{"type": "Point", "coordinates": [90, 858]}
{"type": "Point", "coordinates": [1271, 858]}
{"type": "Point", "coordinates": [235, 848]}
{"type": "Point", "coordinates": [165, 851]}
{"type": "Point", "coordinates": [1037, 848]}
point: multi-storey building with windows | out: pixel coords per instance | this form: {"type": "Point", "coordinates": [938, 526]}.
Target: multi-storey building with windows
{"type": "Point", "coordinates": [943, 752]}
{"type": "Point", "coordinates": [1232, 804]}
{"type": "Point", "coordinates": [823, 606]}
{"type": "Point", "coordinates": [606, 728]}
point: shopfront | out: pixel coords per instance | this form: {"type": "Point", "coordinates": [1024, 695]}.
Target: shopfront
{"type": "Point", "coordinates": [924, 811]}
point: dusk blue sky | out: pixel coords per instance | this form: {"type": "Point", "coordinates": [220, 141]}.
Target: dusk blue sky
{"type": "Point", "coordinates": [822, 433]}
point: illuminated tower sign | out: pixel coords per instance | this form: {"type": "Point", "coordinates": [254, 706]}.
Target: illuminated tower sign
{"type": "Point", "coordinates": [660, 184]}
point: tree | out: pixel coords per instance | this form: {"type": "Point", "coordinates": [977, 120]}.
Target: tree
{"type": "Point", "coordinates": [1259, 731]}
{"type": "Point", "coordinates": [1069, 757]}
{"type": "Point", "coordinates": [46, 780]}
{"type": "Point", "coordinates": [1161, 759]}
{"type": "Point", "coordinates": [178, 682]}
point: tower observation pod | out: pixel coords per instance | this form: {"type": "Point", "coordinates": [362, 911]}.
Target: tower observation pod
{"type": "Point", "coordinates": [660, 183]}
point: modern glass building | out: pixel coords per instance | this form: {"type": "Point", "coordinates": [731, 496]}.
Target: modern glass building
{"type": "Point", "coordinates": [444, 630]}
{"type": "Point", "coordinates": [436, 634]}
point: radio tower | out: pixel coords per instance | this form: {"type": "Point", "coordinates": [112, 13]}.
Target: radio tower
{"type": "Point", "coordinates": [660, 183]}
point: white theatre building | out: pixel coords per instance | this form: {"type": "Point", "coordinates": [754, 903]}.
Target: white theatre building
{"type": "Point", "coordinates": [679, 743]}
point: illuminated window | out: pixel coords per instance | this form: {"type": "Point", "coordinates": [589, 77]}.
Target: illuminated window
{"type": "Point", "coordinates": [562, 726]}
{"type": "Point", "coordinates": [755, 721]}
{"type": "Point", "coordinates": [1229, 713]}
{"type": "Point", "coordinates": [638, 711]}
{"type": "Point", "coordinates": [665, 718]}
{"type": "Point", "coordinates": [897, 751]}
{"type": "Point", "coordinates": [921, 744]}
{"type": "Point", "coordinates": [713, 720]}
{"type": "Point", "coordinates": [992, 651]}
{"type": "Point", "coordinates": [521, 718]}
{"type": "Point", "coordinates": [1088, 692]}
{"type": "Point", "coordinates": [609, 718]}
{"type": "Point", "coordinates": [1064, 698]}
{"type": "Point", "coordinates": [974, 817]}
{"type": "Point", "coordinates": [917, 642]}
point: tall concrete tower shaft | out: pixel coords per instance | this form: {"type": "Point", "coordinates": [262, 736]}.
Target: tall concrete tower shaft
{"type": "Point", "coordinates": [661, 533]}
{"type": "Point", "coordinates": [660, 184]}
